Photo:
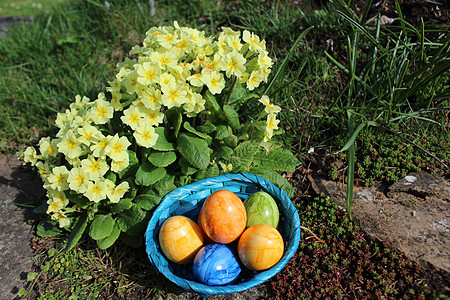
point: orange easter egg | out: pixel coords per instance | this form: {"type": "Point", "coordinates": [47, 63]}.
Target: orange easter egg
{"type": "Point", "coordinates": [180, 239]}
{"type": "Point", "coordinates": [260, 247]}
{"type": "Point", "coordinates": [223, 217]}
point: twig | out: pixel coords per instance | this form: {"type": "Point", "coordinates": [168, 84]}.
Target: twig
{"type": "Point", "coordinates": [421, 148]}
{"type": "Point", "coordinates": [319, 240]}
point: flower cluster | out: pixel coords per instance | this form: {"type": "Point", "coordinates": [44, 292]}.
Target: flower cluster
{"type": "Point", "coordinates": [176, 67]}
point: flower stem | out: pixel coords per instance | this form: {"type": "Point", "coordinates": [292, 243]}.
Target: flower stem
{"type": "Point", "coordinates": [231, 89]}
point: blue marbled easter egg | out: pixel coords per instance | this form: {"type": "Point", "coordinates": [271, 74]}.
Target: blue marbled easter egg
{"type": "Point", "coordinates": [216, 264]}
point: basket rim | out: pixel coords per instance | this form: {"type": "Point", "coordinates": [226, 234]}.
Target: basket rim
{"type": "Point", "coordinates": [205, 290]}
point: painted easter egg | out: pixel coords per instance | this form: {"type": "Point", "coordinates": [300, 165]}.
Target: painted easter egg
{"type": "Point", "coordinates": [260, 247]}
{"type": "Point", "coordinates": [216, 264]}
{"type": "Point", "coordinates": [180, 239]}
{"type": "Point", "coordinates": [261, 209]}
{"type": "Point", "coordinates": [223, 217]}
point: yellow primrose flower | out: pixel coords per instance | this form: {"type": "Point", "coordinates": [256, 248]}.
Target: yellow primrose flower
{"type": "Point", "coordinates": [101, 111]}
{"type": "Point", "coordinates": [272, 122]}
{"type": "Point", "coordinates": [130, 82]}
{"type": "Point", "coordinates": [148, 73]}
{"type": "Point", "coordinates": [270, 108]}
{"type": "Point", "coordinates": [194, 104]}
{"type": "Point", "coordinates": [117, 192]}
{"type": "Point", "coordinates": [78, 179]}
{"type": "Point", "coordinates": [117, 148]}
{"type": "Point", "coordinates": [254, 80]}
{"type": "Point", "coordinates": [95, 168]}
{"type": "Point", "coordinates": [167, 40]}
{"type": "Point", "coordinates": [145, 136]}
{"type": "Point", "coordinates": [56, 201]}
{"type": "Point", "coordinates": [233, 64]}
{"type": "Point", "coordinates": [115, 101]}
{"type": "Point", "coordinates": [214, 81]}
{"type": "Point", "coordinates": [96, 190]}
{"type": "Point", "coordinates": [197, 37]}
{"type": "Point", "coordinates": [48, 147]}
{"type": "Point", "coordinates": [132, 116]}
{"type": "Point", "coordinates": [70, 145]}
{"type": "Point", "coordinates": [234, 42]}
{"type": "Point", "coordinates": [117, 166]}
{"type": "Point", "coordinates": [195, 79]}
{"type": "Point", "coordinates": [164, 60]}
{"type": "Point", "coordinates": [87, 134]}
{"type": "Point", "coordinates": [253, 40]}
{"type": "Point", "coordinates": [63, 220]}
{"type": "Point", "coordinates": [30, 155]}
{"type": "Point", "coordinates": [151, 98]}
{"type": "Point", "coordinates": [152, 117]}
{"type": "Point", "coordinates": [58, 178]}
{"type": "Point", "coordinates": [43, 169]}
{"type": "Point", "coordinates": [264, 61]}
{"type": "Point", "coordinates": [99, 144]}
{"type": "Point", "coordinates": [173, 95]}
{"type": "Point", "coordinates": [166, 79]}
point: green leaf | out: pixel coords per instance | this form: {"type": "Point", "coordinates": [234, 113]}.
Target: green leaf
{"type": "Point", "coordinates": [78, 199]}
{"type": "Point", "coordinates": [132, 166]}
{"type": "Point", "coordinates": [192, 130]}
{"type": "Point", "coordinates": [109, 240]}
{"type": "Point", "coordinates": [124, 204]}
{"type": "Point", "coordinates": [222, 132]}
{"type": "Point", "coordinates": [246, 149]}
{"type": "Point", "coordinates": [147, 174]}
{"type": "Point", "coordinates": [101, 227]}
{"type": "Point", "coordinates": [211, 102]}
{"type": "Point", "coordinates": [240, 95]}
{"type": "Point", "coordinates": [232, 117]}
{"type": "Point", "coordinates": [352, 139]}
{"type": "Point", "coordinates": [22, 292]}
{"type": "Point", "coordinates": [111, 176]}
{"type": "Point", "coordinates": [231, 141]}
{"type": "Point", "coordinates": [207, 128]}
{"type": "Point", "coordinates": [166, 185]}
{"type": "Point", "coordinates": [77, 232]}
{"type": "Point", "coordinates": [162, 144]}
{"type": "Point", "coordinates": [31, 276]}
{"type": "Point", "coordinates": [174, 118]}
{"type": "Point", "coordinates": [48, 228]}
{"type": "Point", "coordinates": [148, 200]}
{"type": "Point", "coordinates": [278, 159]}
{"type": "Point", "coordinates": [186, 167]}
{"type": "Point", "coordinates": [222, 152]}
{"type": "Point", "coordinates": [129, 218]}
{"type": "Point", "coordinates": [162, 158]}
{"type": "Point", "coordinates": [211, 171]}
{"type": "Point", "coordinates": [275, 178]}
{"type": "Point", "coordinates": [195, 150]}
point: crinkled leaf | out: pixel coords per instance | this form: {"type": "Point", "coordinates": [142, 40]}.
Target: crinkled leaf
{"type": "Point", "coordinates": [223, 152]}
{"type": "Point", "coordinates": [231, 141]}
{"type": "Point", "coordinates": [162, 144]}
{"type": "Point", "coordinates": [77, 232]}
{"type": "Point", "coordinates": [186, 167]}
{"type": "Point", "coordinates": [195, 150]}
{"type": "Point", "coordinates": [162, 158]}
{"type": "Point", "coordinates": [192, 130]}
{"type": "Point", "coordinates": [246, 149]}
{"type": "Point", "coordinates": [129, 218]}
{"type": "Point", "coordinates": [110, 239]}
{"type": "Point", "coordinates": [271, 175]}
{"type": "Point", "coordinates": [78, 199]}
{"type": "Point", "coordinates": [132, 166]}
{"type": "Point", "coordinates": [124, 204]}
{"type": "Point", "coordinates": [222, 132]}
{"type": "Point", "coordinates": [207, 128]}
{"type": "Point", "coordinates": [101, 227]}
{"type": "Point", "coordinates": [48, 228]}
{"type": "Point", "coordinates": [278, 159]}
{"type": "Point", "coordinates": [166, 185]}
{"type": "Point", "coordinates": [232, 117]}
{"type": "Point", "coordinates": [147, 174]}
{"type": "Point", "coordinates": [148, 200]}
{"type": "Point", "coordinates": [211, 171]}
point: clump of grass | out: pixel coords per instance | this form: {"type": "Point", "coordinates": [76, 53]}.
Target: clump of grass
{"type": "Point", "coordinates": [348, 265]}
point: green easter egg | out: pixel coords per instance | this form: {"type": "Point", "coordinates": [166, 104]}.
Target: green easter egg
{"type": "Point", "coordinates": [261, 209]}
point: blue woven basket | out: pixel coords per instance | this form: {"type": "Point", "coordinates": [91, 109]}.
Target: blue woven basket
{"type": "Point", "coordinates": [188, 200]}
